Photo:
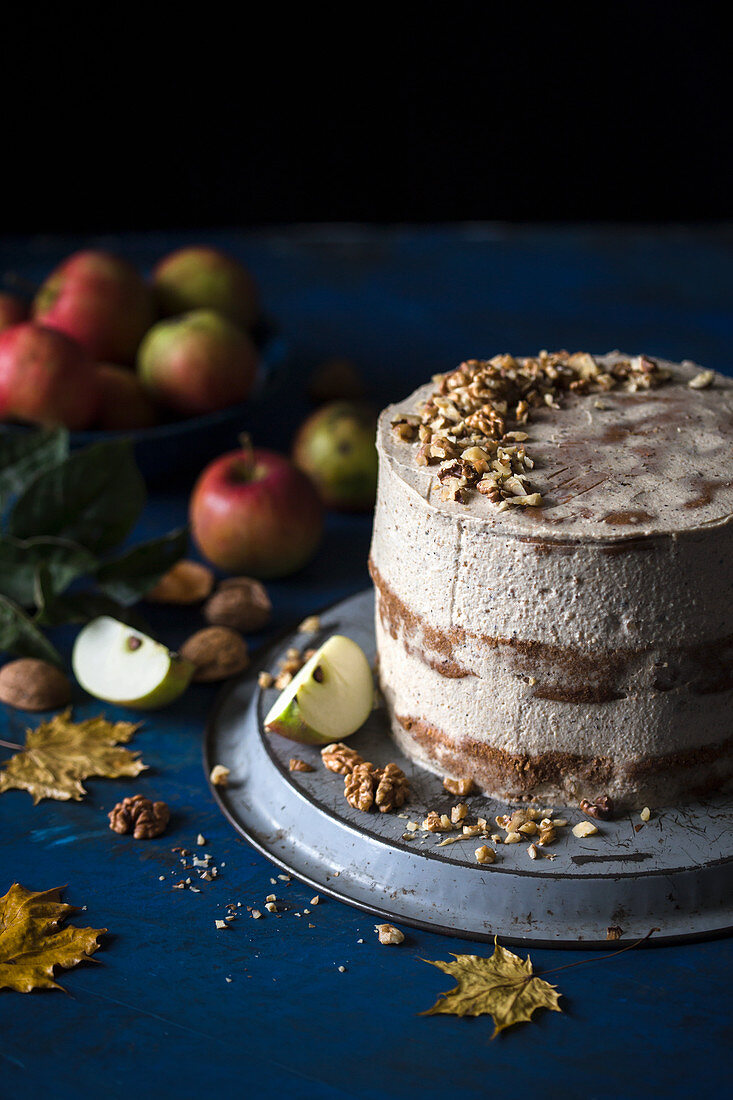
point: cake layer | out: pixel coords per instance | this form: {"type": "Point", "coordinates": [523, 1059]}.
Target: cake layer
{"type": "Point", "coordinates": [583, 645]}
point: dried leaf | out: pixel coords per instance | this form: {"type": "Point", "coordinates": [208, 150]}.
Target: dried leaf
{"type": "Point", "coordinates": [503, 986]}
{"type": "Point", "coordinates": [59, 753]}
{"type": "Point", "coordinates": [31, 942]}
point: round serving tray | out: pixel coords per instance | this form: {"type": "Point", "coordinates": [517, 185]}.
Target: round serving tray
{"type": "Point", "coordinates": [674, 874]}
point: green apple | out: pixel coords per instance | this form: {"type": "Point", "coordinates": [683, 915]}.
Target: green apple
{"type": "Point", "coordinates": [121, 665]}
{"type": "Point", "coordinates": [329, 699]}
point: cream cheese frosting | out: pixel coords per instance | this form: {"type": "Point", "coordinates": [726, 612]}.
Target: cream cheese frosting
{"type": "Point", "coordinates": [584, 646]}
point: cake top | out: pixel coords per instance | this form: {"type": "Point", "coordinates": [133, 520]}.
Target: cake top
{"type": "Point", "coordinates": [570, 446]}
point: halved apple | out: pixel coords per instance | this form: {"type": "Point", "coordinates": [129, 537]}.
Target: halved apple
{"type": "Point", "coordinates": [116, 663]}
{"type": "Point", "coordinates": [328, 699]}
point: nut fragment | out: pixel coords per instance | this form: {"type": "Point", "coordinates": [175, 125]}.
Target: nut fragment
{"type": "Point", "coordinates": [139, 816]}
{"type": "Point", "coordinates": [186, 582]}
{"type": "Point", "coordinates": [310, 625]}
{"type": "Point", "coordinates": [30, 684]}
{"type": "Point", "coordinates": [240, 603]}
{"type": "Point", "coordinates": [219, 775]}
{"type": "Point", "coordinates": [339, 758]}
{"type": "Point", "coordinates": [389, 934]}
{"type": "Point", "coordinates": [298, 765]}
{"type": "Point", "coordinates": [265, 680]}
{"type": "Point", "coordinates": [702, 380]}
{"type": "Point", "coordinates": [217, 652]}
{"type": "Point", "coordinates": [484, 854]}
{"type": "Point", "coordinates": [458, 813]}
{"type": "Point", "coordinates": [645, 814]}
{"type": "Point", "coordinates": [602, 808]}
{"type": "Point", "coordinates": [613, 932]}
{"type": "Point", "coordinates": [584, 828]}
{"type": "Point", "coordinates": [461, 787]}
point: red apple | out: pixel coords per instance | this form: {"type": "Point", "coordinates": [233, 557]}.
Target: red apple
{"type": "Point", "coordinates": [123, 400]}
{"type": "Point", "coordinates": [253, 513]}
{"type": "Point", "coordinates": [13, 310]}
{"type": "Point", "coordinates": [197, 363]}
{"type": "Point", "coordinates": [100, 300]}
{"type": "Point", "coordinates": [205, 278]}
{"type": "Point", "coordinates": [46, 378]}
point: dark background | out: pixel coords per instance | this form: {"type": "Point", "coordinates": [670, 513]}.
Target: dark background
{"type": "Point", "coordinates": [223, 116]}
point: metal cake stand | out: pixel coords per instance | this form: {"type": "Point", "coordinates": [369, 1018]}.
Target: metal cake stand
{"type": "Point", "coordinates": [674, 874]}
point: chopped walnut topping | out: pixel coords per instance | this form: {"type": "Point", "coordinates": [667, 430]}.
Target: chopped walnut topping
{"type": "Point", "coordinates": [339, 758]}
{"type": "Point", "coordinates": [298, 765]}
{"type": "Point", "coordinates": [310, 625]}
{"type": "Point", "coordinates": [265, 680]}
{"type": "Point", "coordinates": [388, 933]}
{"type": "Point", "coordinates": [458, 813]}
{"type": "Point", "coordinates": [645, 814]}
{"type": "Point", "coordinates": [471, 422]}
{"type": "Point", "coordinates": [484, 854]}
{"type": "Point", "coordinates": [613, 932]}
{"type": "Point", "coordinates": [702, 380]}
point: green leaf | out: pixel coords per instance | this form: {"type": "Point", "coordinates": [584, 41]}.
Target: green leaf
{"type": "Point", "coordinates": [23, 454]}
{"type": "Point", "coordinates": [21, 559]}
{"type": "Point", "coordinates": [80, 607]}
{"type": "Point", "coordinates": [21, 637]}
{"type": "Point", "coordinates": [94, 498]}
{"type": "Point", "coordinates": [135, 572]}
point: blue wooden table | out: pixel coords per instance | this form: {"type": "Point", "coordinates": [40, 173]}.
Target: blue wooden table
{"type": "Point", "coordinates": [176, 1008]}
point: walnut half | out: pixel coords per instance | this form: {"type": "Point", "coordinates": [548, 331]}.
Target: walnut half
{"type": "Point", "coordinates": [139, 816]}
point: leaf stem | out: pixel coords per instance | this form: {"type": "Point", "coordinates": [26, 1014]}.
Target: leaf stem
{"type": "Point", "coordinates": [598, 958]}
{"type": "Point", "coordinates": [11, 745]}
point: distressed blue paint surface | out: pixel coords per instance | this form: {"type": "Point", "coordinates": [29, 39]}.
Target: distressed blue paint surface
{"type": "Point", "coordinates": [156, 1015]}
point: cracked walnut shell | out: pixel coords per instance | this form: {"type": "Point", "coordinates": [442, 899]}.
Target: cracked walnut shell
{"type": "Point", "coordinates": [139, 816]}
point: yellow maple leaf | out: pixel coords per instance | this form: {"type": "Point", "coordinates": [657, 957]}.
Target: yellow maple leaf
{"type": "Point", "coordinates": [503, 986]}
{"type": "Point", "coordinates": [32, 943]}
{"type": "Point", "coordinates": [59, 753]}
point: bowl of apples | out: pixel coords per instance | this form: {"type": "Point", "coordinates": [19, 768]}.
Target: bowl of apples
{"type": "Point", "coordinates": [180, 363]}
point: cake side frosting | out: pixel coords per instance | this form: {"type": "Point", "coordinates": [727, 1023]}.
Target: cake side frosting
{"type": "Point", "coordinates": [543, 654]}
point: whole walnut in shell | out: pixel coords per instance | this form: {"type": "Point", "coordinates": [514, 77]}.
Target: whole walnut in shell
{"type": "Point", "coordinates": [241, 603]}
{"type": "Point", "coordinates": [217, 652]}
{"type": "Point", "coordinates": [185, 582]}
{"type": "Point", "coordinates": [30, 684]}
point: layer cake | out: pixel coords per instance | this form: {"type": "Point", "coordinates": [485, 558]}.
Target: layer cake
{"type": "Point", "coordinates": [553, 562]}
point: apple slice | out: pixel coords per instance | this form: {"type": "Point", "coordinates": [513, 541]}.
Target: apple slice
{"type": "Point", "coordinates": [329, 699]}
{"type": "Point", "coordinates": [121, 665]}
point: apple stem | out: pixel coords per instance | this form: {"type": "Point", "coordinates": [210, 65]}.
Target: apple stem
{"type": "Point", "coordinates": [245, 442]}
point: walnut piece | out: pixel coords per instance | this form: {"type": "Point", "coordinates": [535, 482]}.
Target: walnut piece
{"type": "Point", "coordinates": [240, 603]}
{"type": "Point", "coordinates": [461, 787]}
{"type": "Point", "coordinates": [389, 934]}
{"type": "Point", "coordinates": [393, 788]}
{"type": "Point", "coordinates": [339, 758]}
{"type": "Point", "coordinates": [219, 775]}
{"type": "Point", "coordinates": [602, 808]}
{"type": "Point", "coordinates": [31, 684]}
{"type": "Point", "coordinates": [359, 787]}
{"type": "Point", "coordinates": [298, 765]}
{"type": "Point", "coordinates": [139, 816]}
